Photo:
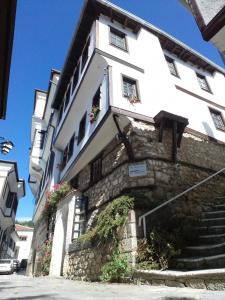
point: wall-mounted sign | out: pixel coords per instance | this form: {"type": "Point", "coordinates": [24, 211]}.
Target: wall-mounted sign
{"type": "Point", "coordinates": [138, 169]}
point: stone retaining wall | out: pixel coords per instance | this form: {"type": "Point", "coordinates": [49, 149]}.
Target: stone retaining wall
{"type": "Point", "coordinates": [197, 158]}
{"type": "Point", "coordinates": [84, 261]}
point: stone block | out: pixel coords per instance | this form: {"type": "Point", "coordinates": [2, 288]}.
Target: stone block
{"type": "Point", "coordinates": [174, 283]}
{"type": "Point", "coordinates": [195, 283]}
{"type": "Point", "coordinates": [158, 282]}
{"type": "Point", "coordinates": [215, 285]}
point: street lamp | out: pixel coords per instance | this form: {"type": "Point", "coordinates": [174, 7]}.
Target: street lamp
{"type": "Point", "coordinates": [5, 145]}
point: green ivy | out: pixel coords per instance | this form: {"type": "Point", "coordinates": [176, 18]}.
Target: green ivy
{"type": "Point", "coordinates": [109, 221]}
{"type": "Point", "coordinates": [107, 228]}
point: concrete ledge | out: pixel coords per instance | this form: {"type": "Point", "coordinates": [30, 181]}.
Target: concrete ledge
{"type": "Point", "coordinates": [213, 279]}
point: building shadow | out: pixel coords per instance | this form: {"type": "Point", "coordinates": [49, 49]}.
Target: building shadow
{"type": "Point", "coordinates": [209, 131]}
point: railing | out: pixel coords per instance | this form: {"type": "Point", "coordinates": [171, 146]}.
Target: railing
{"type": "Point", "coordinates": [142, 218]}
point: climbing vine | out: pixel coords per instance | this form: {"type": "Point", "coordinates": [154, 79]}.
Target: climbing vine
{"type": "Point", "coordinates": [45, 253]}
{"type": "Point", "coordinates": [109, 221]}
{"type": "Point", "coordinates": [53, 197]}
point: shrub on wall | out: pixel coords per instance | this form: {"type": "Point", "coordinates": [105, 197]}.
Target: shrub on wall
{"type": "Point", "coordinates": [107, 229]}
{"type": "Point", "coordinates": [168, 233]}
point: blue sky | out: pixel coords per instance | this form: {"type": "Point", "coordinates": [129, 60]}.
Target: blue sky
{"type": "Point", "coordinates": [43, 32]}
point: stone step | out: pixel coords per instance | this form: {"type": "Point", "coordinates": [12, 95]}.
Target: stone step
{"type": "Point", "coordinates": [219, 207]}
{"type": "Point", "coordinates": [214, 214]}
{"type": "Point", "coordinates": [208, 239]}
{"type": "Point", "coordinates": [212, 221]}
{"type": "Point", "coordinates": [200, 263]}
{"type": "Point", "coordinates": [219, 229]}
{"type": "Point", "coordinates": [204, 250]}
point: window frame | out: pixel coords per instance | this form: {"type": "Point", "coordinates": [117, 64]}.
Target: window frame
{"type": "Point", "coordinates": [76, 76]}
{"type": "Point", "coordinates": [98, 101]}
{"type": "Point", "coordinates": [135, 81]}
{"type": "Point", "coordinates": [170, 60]}
{"type": "Point", "coordinates": [200, 76]}
{"type": "Point", "coordinates": [39, 143]}
{"type": "Point", "coordinates": [67, 97]}
{"type": "Point", "coordinates": [118, 32]}
{"type": "Point", "coordinates": [10, 199]}
{"type": "Point", "coordinates": [218, 112]}
{"type": "Point", "coordinates": [84, 58]}
{"type": "Point", "coordinates": [68, 152]}
{"type": "Point", "coordinates": [82, 130]}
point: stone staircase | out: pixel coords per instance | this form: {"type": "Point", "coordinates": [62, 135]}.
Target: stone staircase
{"type": "Point", "coordinates": [208, 251]}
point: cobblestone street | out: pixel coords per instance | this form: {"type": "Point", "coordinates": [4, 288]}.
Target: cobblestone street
{"type": "Point", "coordinates": [15, 287]}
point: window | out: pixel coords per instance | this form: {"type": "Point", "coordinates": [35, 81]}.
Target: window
{"type": "Point", "coordinates": [129, 88]}
{"type": "Point", "coordinates": [217, 119]}
{"type": "Point", "coordinates": [75, 77]}
{"type": "Point", "coordinates": [171, 65]}
{"type": "Point", "coordinates": [39, 139]}
{"type": "Point", "coordinates": [85, 54]}
{"type": "Point", "coordinates": [67, 97]}
{"type": "Point", "coordinates": [203, 82]}
{"type": "Point", "coordinates": [51, 163]}
{"type": "Point", "coordinates": [23, 238]}
{"type": "Point", "coordinates": [96, 99]}
{"type": "Point", "coordinates": [70, 148]}
{"type": "Point", "coordinates": [68, 152]}
{"type": "Point", "coordinates": [60, 112]}
{"type": "Point", "coordinates": [118, 38]}
{"type": "Point", "coordinates": [9, 200]}
{"type": "Point", "coordinates": [82, 126]}
{"type": "Point", "coordinates": [96, 170]}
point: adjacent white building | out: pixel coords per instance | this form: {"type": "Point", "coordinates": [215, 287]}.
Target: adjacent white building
{"type": "Point", "coordinates": [11, 190]}
{"type": "Point", "coordinates": [210, 18]}
{"type": "Point", "coordinates": [23, 243]}
{"type": "Point", "coordinates": [119, 69]}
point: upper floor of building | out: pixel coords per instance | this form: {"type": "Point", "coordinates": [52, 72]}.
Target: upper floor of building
{"type": "Point", "coordinates": [119, 63]}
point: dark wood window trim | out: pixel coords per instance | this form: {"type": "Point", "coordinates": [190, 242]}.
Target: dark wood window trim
{"type": "Point", "coordinates": [118, 39]}
{"type": "Point", "coordinates": [10, 199]}
{"type": "Point", "coordinates": [82, 128]}
{"type": "Point", "coordinates": [203, 83]}
{"type": "Point", "coordinates": [172, 67]}
{"type": "Point", "coordinates": [15, 204]}
{"type": "Point", "coordinates": [70, 147]}
{"type": "Point", "coordinates": [85, 54]}
{"type": "Point", "coordinates": [217, 118]}
{"type": "Point", "coordinates": [68, 152]}
{"type": "Point", "coordinates": [67, 97]}
{"type": "Point", "coordinates": [60, 112]}
{"type": "Point", "coordinates": [76, 77]}
{"type": "Point", "coordinates": [96, 98]}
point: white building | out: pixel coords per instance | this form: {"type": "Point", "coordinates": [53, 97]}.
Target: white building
{"type": "Point", "coordinates": [130, 71]}
{"type": "Point", "coordinates": [11, 190]}
{"type": "Point", "coordinates": [23, 243]}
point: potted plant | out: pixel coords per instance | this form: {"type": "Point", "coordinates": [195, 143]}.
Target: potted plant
{"type": "Point", "coordinates": [94, 114]}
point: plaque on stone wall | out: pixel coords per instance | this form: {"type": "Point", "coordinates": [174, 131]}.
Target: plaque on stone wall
{"type": "Point", "coordinates": [138, 169]}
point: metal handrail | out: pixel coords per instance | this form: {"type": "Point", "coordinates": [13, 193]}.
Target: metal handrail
{"type": "Point", "coordinates": [143, 217]}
